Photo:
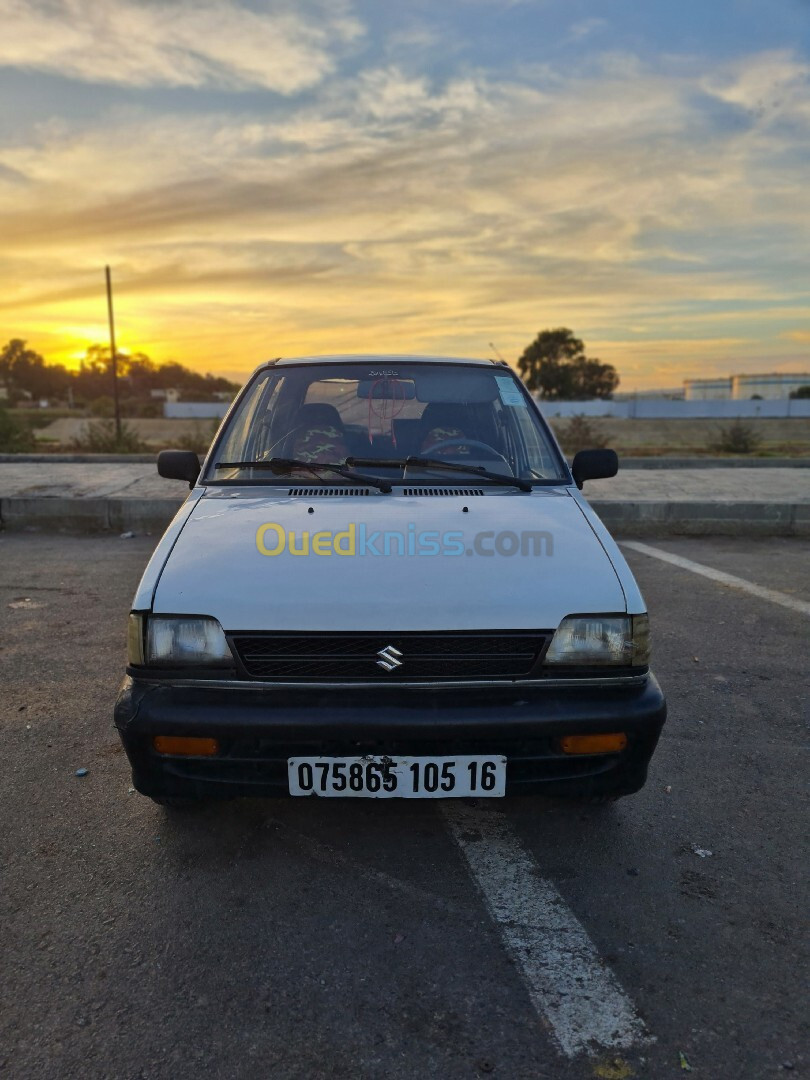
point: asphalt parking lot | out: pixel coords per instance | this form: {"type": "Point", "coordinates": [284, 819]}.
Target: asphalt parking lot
{"type": "Point", "coordinates": [295, 938]}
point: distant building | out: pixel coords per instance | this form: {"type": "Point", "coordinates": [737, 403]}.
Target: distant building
{"type": "Point", "coordinates": [768, 387]}
{"type": "Point", "coordinates": [773, 387]}
{"type": "Point", "coordinates": [165, 395]}
{"type": "Point", "coordinates": [707, 389]}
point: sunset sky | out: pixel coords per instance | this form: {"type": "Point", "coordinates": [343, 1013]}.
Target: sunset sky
{"type": "Point", "coordinates": [271, 178]}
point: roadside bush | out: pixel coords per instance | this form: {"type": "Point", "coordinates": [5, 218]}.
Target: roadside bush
{"type": "Point", "coordinates": [580, 434]}
{"type": "Point", "coordinates": [736, 438]}
{"type": "Point", "coordinates": [100, 437]}
{"type": "Point", "coordinates": [199, 439]}
{"type": "Point", "coordinates": [16, 436]}
{"type": "Point", "coordinates": [102, 406]}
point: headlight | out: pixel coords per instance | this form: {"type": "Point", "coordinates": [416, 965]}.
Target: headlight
{"type": "Point", "coordinates": [621, 640]}
{"type": "Point", "coordinates": [177, 641]}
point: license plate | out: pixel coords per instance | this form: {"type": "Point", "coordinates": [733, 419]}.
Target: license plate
{"type": "Point", "coordinates": [382, 777]}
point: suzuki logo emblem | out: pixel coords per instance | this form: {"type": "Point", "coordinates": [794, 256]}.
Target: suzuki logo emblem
{"type": "Point", "coordinates": [389, 658]}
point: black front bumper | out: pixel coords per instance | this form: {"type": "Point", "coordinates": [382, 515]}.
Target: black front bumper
{"type": "Point", "coordinates": [259, 727]}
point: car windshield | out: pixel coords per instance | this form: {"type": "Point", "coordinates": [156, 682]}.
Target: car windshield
{"type": "Point", "coordinates": [438, 422]}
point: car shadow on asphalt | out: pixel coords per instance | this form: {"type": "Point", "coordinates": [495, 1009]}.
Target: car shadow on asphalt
{"type": "Point", "coordinates": [400, 837]}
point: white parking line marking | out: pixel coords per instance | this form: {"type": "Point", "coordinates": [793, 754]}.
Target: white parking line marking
{"type": "Point", "coordinates": [568, 983]}
{"type": "Point", "coordinates": [775, 597]}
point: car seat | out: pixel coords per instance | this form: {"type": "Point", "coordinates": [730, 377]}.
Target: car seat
{"type": "Point", "coordinates": [440, 422]}
{"type": "Point", "coordinates": [319, 434]}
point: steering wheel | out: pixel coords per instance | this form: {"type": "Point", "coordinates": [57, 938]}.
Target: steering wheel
{"type": "Point", "coordinates": [490, 453]}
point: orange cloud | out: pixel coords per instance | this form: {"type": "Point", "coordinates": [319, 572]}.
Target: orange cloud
{"type": "Point", "coordinates": [393, 212]}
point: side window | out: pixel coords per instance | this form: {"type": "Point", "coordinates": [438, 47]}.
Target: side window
{"type": "Point", "coordinates": [243, 441]}
{"type": "Point", "coordinates": [533, 447]}
{"type": "Point", "coordinates": [508, 443]}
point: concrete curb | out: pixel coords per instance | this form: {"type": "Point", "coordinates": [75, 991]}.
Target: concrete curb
{"type": "Point", "coordinates": [644, 518]}
{"type": "Point", "coordinates": [712, 463]}
{"type": "Point", "coordinates": [85, 459]}
{"type": "Point", "coordinates": [87, 515]}
{"type": "Point", "coordinates": [79, 459]}
{"type": "Point", "coordinates": [660, 519]}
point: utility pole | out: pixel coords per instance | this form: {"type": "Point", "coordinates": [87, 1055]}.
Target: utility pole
{"type": "Point", "coordinates": [113, 354]}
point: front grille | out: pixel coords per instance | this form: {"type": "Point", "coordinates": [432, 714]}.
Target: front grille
{"type": "Point", "coordinates": [344, 657]}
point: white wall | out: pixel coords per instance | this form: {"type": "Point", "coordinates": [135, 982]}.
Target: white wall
{"type": "Point", "coordinates": [664, 409]}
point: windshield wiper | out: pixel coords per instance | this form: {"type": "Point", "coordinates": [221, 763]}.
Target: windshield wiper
{"type": "Point", "coordinates": [284, 466]}
{"type": "Point", "coordinates": [449, 466]}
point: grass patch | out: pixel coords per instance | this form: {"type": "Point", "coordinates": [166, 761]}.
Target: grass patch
{"type": "Point", "coordinates": [199, 439]}
{"type": "Point", "coordinates": [16, 436]}
{"type": "Point", "coordinates": [579, 433]}
{"type": "Point", "coordinates": [789, 437]}
{"type": "Point", "coordinates": [101, 437]}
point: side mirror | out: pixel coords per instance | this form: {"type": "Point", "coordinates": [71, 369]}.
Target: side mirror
{"type": "Point", "coordinates": [179, 465]}
{"type": "Point", "coordinates": [594, 465]}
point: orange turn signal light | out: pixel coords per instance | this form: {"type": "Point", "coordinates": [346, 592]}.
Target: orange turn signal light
{"type": "Point", "coordinates": [593, 744]}
{"type": "Point", "coordinates": [188, 747]}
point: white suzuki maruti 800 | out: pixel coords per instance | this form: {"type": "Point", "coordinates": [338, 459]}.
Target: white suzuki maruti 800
{"type": "Point", "coordinates": [386, 583]}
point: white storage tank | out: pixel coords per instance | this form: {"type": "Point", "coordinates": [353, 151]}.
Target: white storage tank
{"type": "Point", "coordinates": [767, 387]}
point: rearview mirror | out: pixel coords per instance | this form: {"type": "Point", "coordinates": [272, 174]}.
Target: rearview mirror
{"type": "Point", "coordinates": [387, 389]}
{"type": "Point", "coordinates": [594, 465]}
{"type": "Point", "coordinates": [179, 465]}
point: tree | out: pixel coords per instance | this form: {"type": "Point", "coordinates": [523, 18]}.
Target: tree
{"type": "Point", "coordinates": [555, 364]}
{"type": "Point", "coordinates": [24, 372]}
{"type": "Point", "coordinates": [801, 391]}
{"type": "Point", "coordinates": [21, 369]}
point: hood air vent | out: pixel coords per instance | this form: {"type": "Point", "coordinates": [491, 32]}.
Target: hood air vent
{"type": "Point", "coordinates": [410, 492]}
{"type": "Point", "coordinates": [420, 491]}
{"type": "Point", "coordinates": [314, 493]}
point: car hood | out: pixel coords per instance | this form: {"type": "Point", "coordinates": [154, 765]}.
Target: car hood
{"type": "Point", "coordinates": [216, 568]}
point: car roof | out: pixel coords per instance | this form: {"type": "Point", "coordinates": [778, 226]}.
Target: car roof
{"type": "Point", "coordinates": [378, 358]}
